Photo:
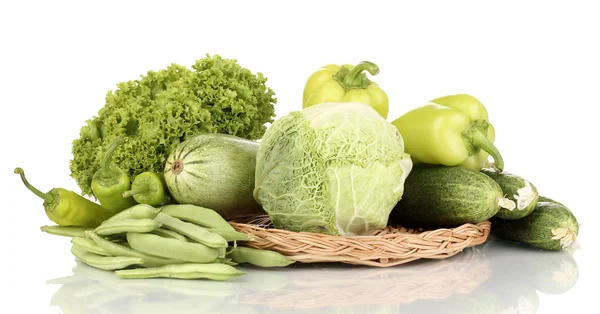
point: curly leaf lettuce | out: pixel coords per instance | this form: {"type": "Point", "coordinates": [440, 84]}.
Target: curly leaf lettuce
{"type": "Point", "coordinates": [166, 107]}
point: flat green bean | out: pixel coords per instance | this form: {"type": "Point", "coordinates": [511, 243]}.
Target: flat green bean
{"type": "Point", "coordinates": [127, 225]}
{"type": "Point", "coordinates": [169, 234]}
{"type": "Point", "coordinates": [65, 231]}
{"type": "Point", "coordinates": [192, 231]}
{"type": "Point", "coordinates": [232, 235]}
{"type": "Point", "coordinates": [104, 262]}
{"type": "Point", "coordinates": [90, 246]}
{"type": "Point", "coordinates": [122, 250]}
{"type": "Point", "coordinates": [137, 211]}
{"type": "Point", "coordinates": [213, 271]}
{"type": "Point", "coordinates": [204, 217]}
{"type": "Point", "coordinates": [262, 258]}
{"type": "Point", "coordinates": [172, 248]}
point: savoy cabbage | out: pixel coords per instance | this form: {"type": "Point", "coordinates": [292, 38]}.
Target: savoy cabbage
{"type": "Point", "coordinates": [333, 168]}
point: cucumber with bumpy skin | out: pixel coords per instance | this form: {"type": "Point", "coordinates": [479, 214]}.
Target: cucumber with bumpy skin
{"type": "Point", "coordinates": [438, 196]}
{"type": "Point", "coordinates": [517, 189]}
{"type": "Point", "coordinates": [551, 226]}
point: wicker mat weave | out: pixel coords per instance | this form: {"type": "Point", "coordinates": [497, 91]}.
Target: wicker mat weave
{"type": "Point", "coordinates": [391, 246]}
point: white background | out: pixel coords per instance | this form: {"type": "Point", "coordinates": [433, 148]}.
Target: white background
{"type": "Point", "coordinates": [534, 64]}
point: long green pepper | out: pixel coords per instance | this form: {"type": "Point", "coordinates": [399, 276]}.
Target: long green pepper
{"type": "Point", "coordinates": [109, 182]}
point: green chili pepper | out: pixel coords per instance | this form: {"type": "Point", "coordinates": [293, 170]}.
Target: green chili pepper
{"type": "Point", "coordinates": [109, 182]}
{"type": "Point", "coordinates": [67, 208]}
{"type": "Point", "coordinates": [148, 188]}
{"type": "Point", "coordinates": [452, 130]}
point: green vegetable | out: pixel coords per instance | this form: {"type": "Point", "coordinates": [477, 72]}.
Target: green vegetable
{"type": "Point", "coordinates": [334, 168]}
{"type": "Point", "coordinates": [148, 188]}
{"type": "Point", "coordinates": [551, 226]}
{"type": "Point", "coordinates": [453, 130]}
{"type": "Point", "coordinates": [448, 196]}
{"type": "Point", "coordinates": [89, 245]}
{"type": "Point", "coordinates": [127, 225]}
{"type": "Point", "coordinates": [202, 216]}
{"type": "Point", "coordinates": [155, 245]}
{"type": "Point", "coordinates": [65, 231]}
{"type": "Point", "coordinates": [164, 108]}
{"type": "Point", "coordinates": [214, 171]}
{"type": "Point", "coordinates": [67, 208]}
{"type": "Point", "coordinates": [345, 83]}
{"type": "Point", "coordinates": [192, 231]}
{"type": "Point", "coordinates": [137, 211]}
{"type": "Point", "coordinates": [104, 262]}
{"type": "Point", "coordinates": [169, 234]}
{"type": "Point", "coordinates": [257, 257]}
{"type": "Point", "coordinates": [518, 190]}
{"type": "Point", "coordinates": [109, 182]}
{"type": "Point", "coordinates": [117, 249]}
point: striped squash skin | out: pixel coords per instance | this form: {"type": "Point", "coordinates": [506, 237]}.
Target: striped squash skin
{"type": "Point", "coordinates": [214, 171]}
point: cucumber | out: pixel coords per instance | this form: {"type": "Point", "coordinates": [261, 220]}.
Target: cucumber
{"type": "Point", "coordinates": [551, 226]}
{"type": "Point", "coordinates": [522, 192]}
{"type": "Point", "coordinates": [439, 196]}
{"type": "Point", "coordinates": [215, 171]}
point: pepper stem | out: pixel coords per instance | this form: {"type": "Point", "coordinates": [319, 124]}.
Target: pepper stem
{"type": "Point", "coordinates": [109, 152]}
{"type": "Point", "coordinates": [353, 78]}
{"type": "Point", "coordinates": [137, 190]}
{"type": "Point", "coordinates": [46, 197]}
{"type": "Point", "coordinates": [479, 140]}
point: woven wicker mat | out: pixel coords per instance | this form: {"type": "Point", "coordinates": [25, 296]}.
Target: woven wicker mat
{"type": "Point", "coordinates": [391, 246]}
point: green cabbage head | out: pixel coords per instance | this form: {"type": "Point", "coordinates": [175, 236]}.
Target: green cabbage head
{"type": "Point", "coordinates": [333, 168]}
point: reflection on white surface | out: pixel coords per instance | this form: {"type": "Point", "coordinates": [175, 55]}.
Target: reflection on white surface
{"type": "Point", "coordinates": [497, 277]}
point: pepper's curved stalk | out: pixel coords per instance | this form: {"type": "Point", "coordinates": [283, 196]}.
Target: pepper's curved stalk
{"type": "Point", "coordinates": [137, 190]}
{"type": "Point", "coordinates": [46, 197]}
{"type": "Point", "coordinates": [481, 141]}
{"type": "Point", "coordinates": [353, 78]}
{"type": "Point", "coordinates": [109, 152]}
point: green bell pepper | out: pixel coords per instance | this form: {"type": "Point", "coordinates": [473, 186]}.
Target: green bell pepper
{"type": "Point", "coordinates": [345, 83]}
{"type": "Point", "coordinates": [452, 130]}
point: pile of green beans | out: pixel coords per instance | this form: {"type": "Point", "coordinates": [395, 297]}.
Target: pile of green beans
{"type": "Point", "coordinates": [173, 241]}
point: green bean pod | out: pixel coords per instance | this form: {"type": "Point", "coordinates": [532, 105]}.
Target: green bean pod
{"type": "Point", "coordinates": [171, 248]}
{"type": "Point", "coordinates": [193, 231]}
{"type": "Point", "coordinates": [262, 258]}
{"type": "Point", "coordinates": [138, 211]}
{"type": "Point", "coordinates": [121, 250]}
{"type": "Point", "coordinates": [127, 225]}
{"type": "Point", "coordinates": [232, 235]}
{"type": "Point", "coordinates": [65, 231]}
{"type": "Point", "coordinates": [214, 271]}
{"type": "Point", "coordinates": [104, 262]}
{"type": "Point", "coordinates": [201, 216]}
{"type": "Point", "coordinates": [90, 246]}
{"type": "Point", "coordinates": [169, 234]}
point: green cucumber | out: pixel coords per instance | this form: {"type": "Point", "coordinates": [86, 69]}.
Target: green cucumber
{"type": "Point", "coordinates": [438, 196]}
{"type": "Point", "coordinates": [551, 226]}
{"type": "Point", "coordinates": [214, 171]}
{"type": "Point", "coordinates": [517, 189]}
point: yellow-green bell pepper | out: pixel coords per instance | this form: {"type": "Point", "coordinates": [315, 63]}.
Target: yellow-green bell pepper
{"type": "Point", "coordinates": [452, 130]}
{"type": "Point", "coordinates": [345, 83]}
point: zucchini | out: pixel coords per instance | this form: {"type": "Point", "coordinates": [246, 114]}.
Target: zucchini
{"type": "Point", "coordinates": [438, 196]}
{"type": "Point", "coordinates": [214, 171]}
{"type": "Point", "coordinates": [551, 226]}
{"type": "Point", "coordinates": [517, 189]}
